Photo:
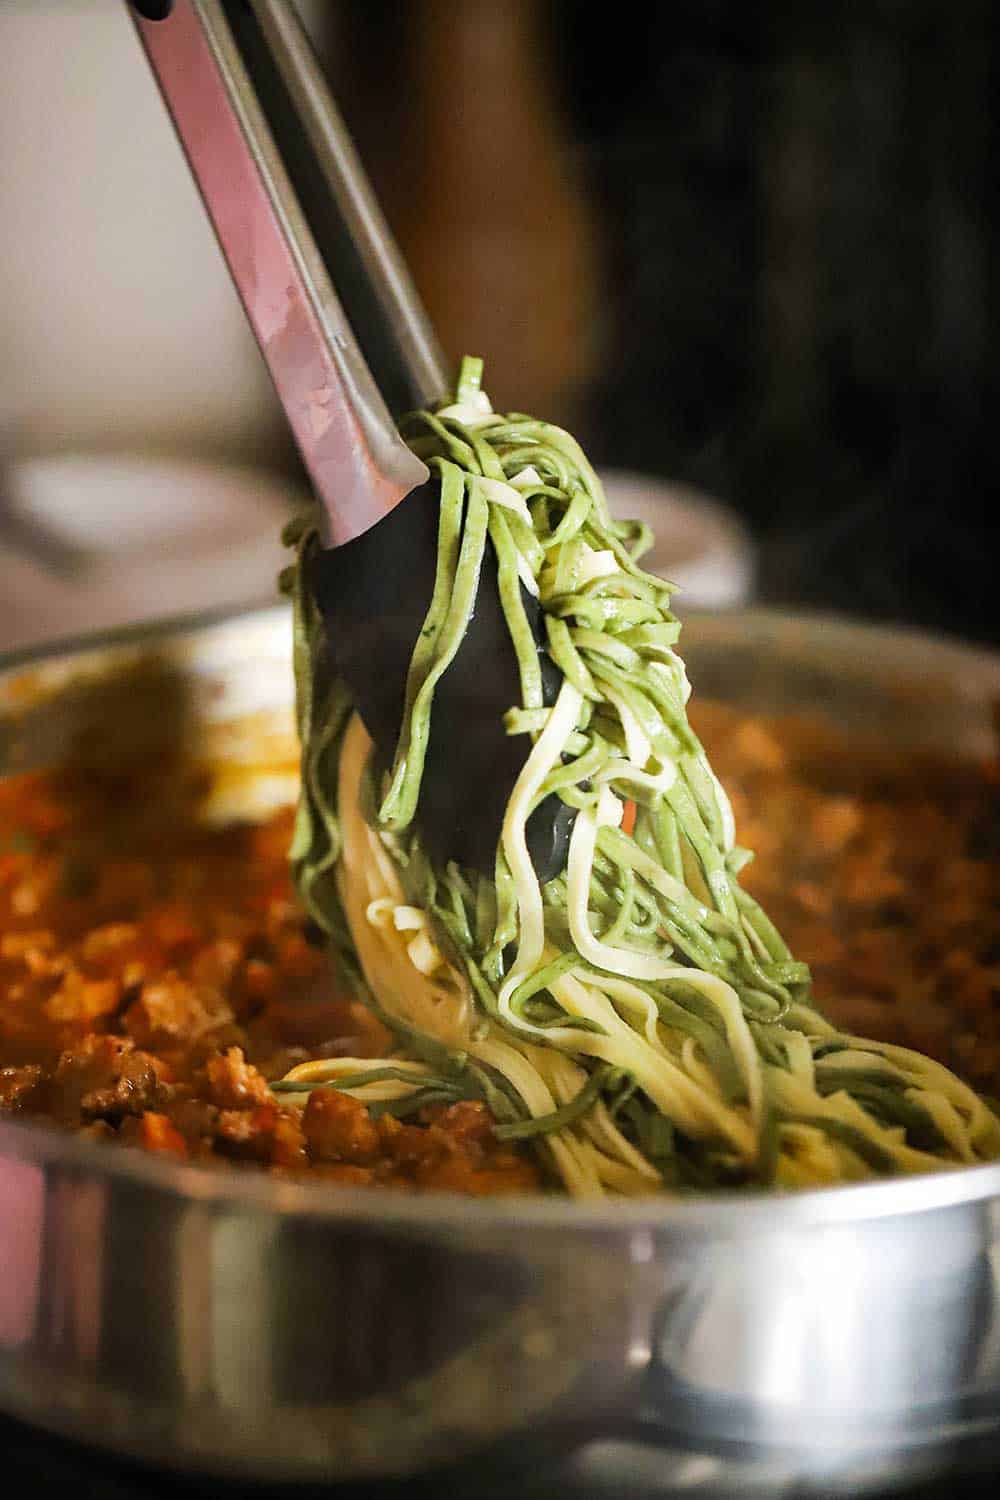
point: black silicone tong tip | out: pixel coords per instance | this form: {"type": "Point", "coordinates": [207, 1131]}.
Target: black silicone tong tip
{"type": "Point", "coordinates": [373, 594]}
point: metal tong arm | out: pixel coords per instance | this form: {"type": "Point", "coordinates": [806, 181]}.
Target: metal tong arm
{"type": "Point", "coordinates": [358, 464]}
{"type": "Point", "coordinates": [372, 279]}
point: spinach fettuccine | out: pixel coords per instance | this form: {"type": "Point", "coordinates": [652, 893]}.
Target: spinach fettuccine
{"type": "Point", "coordinates": [639, 1019]}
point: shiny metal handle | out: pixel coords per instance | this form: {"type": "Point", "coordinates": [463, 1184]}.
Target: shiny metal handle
{"type": "Point", "coordinates": [347, 222]}
{"type": "Point", "coordinates": [358, 464]}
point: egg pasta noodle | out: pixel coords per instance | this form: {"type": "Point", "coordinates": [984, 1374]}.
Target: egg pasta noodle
{"type": "Point", "coordinates": [638, 1019]}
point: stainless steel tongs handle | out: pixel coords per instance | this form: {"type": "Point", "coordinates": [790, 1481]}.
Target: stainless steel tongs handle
{"type": "Point", "coordinates": [371, 276]}
{"type": "Point", "coordinates": [295, 216]}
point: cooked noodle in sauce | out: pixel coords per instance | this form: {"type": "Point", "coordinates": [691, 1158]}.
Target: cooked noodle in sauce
{"type": "Point", "coordinates": [644, 1023]}
{"type": "Point", "coordinates": [156, 974]}
{"type": "Point", "coordinates": [639, 1020]}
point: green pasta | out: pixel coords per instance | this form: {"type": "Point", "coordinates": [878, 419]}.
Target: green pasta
{"type": "Point", "coordinates": [639, 1019]}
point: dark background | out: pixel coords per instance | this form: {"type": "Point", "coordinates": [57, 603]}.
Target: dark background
{"type": "Point", "coordinates": [793, 217]}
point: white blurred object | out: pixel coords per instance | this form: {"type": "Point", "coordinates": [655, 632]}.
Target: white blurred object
{"type": "Point", "coordinates": [700, 545]}
{"type": "Point", "coordinates": [148, 538]}
{"type": "Point", "coordinates": [119, 326]}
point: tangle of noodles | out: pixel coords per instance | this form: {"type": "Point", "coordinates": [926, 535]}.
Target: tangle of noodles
{"type": "Point", "coordinates": [651, 1032]}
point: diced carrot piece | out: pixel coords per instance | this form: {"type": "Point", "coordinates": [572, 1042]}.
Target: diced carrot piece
{"type": "Point", "coordinates": [157, 1133]}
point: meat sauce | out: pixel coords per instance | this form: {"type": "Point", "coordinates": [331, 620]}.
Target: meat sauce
{"type": "Point", "coordinates": [156, 973]}
{"type": "Point", "coordinates": [882, 872]}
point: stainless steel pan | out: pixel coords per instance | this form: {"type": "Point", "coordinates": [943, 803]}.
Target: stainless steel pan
{"type": "Point", "coordinates": [224, 1321]}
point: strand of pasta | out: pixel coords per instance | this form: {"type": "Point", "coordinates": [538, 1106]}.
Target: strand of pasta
{"type": "Point", "coordinates": [652, 1029]}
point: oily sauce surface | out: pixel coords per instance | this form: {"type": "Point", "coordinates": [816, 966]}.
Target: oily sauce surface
{"type": "Point", "coordinates": [156, 972]}
{"type": "Point", "coordinates": [882, 871]}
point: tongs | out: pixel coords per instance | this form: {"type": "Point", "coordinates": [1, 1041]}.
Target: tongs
{"type": "Point", "coordinates": [321, 279]}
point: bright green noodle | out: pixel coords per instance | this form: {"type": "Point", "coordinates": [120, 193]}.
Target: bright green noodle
{"type": "Point", "coordinates": [654, 1032]}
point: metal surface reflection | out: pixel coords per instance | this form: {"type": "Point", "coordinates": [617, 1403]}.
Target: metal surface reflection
{"type": "Point", "coordinates": [850, 1329]}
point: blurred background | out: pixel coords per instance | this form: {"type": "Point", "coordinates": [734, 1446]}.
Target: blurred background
{"type": "Point", "coordinates": [749, 254]}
